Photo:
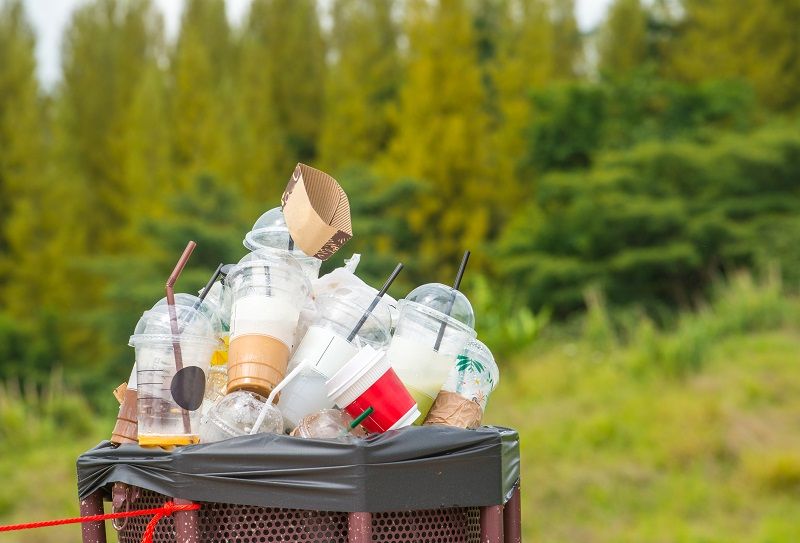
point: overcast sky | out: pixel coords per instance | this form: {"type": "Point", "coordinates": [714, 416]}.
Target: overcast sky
{"type": "Point", "coordinates": [50, 16]}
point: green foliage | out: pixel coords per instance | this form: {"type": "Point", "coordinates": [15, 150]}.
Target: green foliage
{"type": "Point", "coordinates": [362, 84]}
{"type": "Point", "coordinates": [757, 42]}
{"type": "Point", "coordinates": [699, 443]}
{"type": "Point", "coordinates": [654, 225]}
{"type": "Point", "coordinates": [451, 125]}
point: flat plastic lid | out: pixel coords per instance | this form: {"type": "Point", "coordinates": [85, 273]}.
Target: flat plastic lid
{"type": "Point", "coordinates": [358, 366]}
{"type": "Point", "coordinates": [439, 297]}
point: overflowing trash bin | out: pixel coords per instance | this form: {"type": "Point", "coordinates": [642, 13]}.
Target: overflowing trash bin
{"type": "Point", "coordinates": [303, 408]}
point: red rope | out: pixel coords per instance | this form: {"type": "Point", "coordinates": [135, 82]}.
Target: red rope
{"type": "Point", "coordinates": [158, 514]}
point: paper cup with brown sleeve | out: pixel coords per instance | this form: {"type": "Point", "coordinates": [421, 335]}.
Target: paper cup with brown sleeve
{"type": "Point", "coordinates": [317, 212]}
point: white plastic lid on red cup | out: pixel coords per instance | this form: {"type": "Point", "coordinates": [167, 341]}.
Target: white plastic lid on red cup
{"type": "Point", "coordinates": [368, 380]}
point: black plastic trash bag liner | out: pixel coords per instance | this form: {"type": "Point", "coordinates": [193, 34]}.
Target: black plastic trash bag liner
{"type": "Point", "coordinates": [410, 469]}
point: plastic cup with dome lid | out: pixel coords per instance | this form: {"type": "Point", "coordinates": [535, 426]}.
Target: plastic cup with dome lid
{"type": "Point", "coordinates": [271, 232]}
{"type": "Point", "coordinates": [436, 321]}
{"type": "Point", "coordinates": [268, 288]}
{"type": "Point", "coordinates": [168, 395]}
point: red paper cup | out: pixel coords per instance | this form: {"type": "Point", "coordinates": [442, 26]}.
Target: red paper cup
{"type": "Point", "coordinates": [368, 380]}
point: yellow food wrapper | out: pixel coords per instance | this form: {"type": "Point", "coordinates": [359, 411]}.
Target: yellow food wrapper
{"type": "Point", "coordinates": [451, 409]}
{"type": "Point", "coordinates": [317, 212]}
{"type": "Point", "coordinates": [220, 356]}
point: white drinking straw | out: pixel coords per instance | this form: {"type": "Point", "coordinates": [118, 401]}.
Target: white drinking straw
{"type": "Point", "coordinates": [286, 380]}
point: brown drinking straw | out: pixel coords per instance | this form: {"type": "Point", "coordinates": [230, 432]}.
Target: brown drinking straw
{"type": "Point", "coordinates": [173, 320]}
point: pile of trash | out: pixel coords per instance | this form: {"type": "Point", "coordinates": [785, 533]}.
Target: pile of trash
{"type": "Point", "coordinates": [273, 347]}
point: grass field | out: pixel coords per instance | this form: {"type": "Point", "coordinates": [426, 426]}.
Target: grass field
{"type": "Point", "coordinates": [629, 434]}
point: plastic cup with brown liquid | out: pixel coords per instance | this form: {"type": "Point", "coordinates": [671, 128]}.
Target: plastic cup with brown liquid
{"type": "Point", "coordinates": [268, 288]}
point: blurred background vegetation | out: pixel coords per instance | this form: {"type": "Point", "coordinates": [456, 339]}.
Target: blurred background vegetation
{"type": "Point", "coordinates": [630, 195]}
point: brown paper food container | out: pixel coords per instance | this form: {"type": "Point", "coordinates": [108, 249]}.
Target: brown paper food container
{"type": "Point", "coordinates": [256, 363]}
{"type": "Point", "coordinates": [119, 392]}
{"type": "Point", "coordinates": [126, 429]}
{"type": "Point", "coordinates": [451, 409]}
{"type": "Point", "coordinates": [317, 212]}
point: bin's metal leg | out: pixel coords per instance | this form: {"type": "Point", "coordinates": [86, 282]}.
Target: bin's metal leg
{"type": "Point", "coordinates": [187, 524]}
{"type": "Point", "coordinates": [512, 518]}
{"type": "Point", "coordinates": [492, 524]}
{"type": "Point", "coordinates": [93, 532]}
{"type": "Point", "coordinates": [359, 527]}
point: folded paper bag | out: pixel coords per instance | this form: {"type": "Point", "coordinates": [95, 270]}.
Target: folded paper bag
{"type": "Point", "coordinates": [317, 212]}
{"type": "Point", "coordinates": [451, 409]}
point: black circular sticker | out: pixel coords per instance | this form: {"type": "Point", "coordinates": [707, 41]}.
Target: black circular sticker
{"type": "Point", "coordinates": [188, 387]}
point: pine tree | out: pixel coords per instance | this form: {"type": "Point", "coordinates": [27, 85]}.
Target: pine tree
{"type": "Point", "coordinates": [109, 46]}
{"type": "Point", "coordinates": [21, 150]}
{"type": "Point", "coordinates": [287, 41]}
{"type": "Point", "coordinates": [441, 133]}
{"type": "Point", "coordinates": [525, 62]}
{"type": "Point", "coordinates": [567, 42]}
{"type": "Point", "coordinates": [754, 41]}
{"type": "Point", "coordinates": [623, 46]}
{"type": "Point", "coordinates": [265, 159]}
{"type": "Point", "coordinates": [362, 83]}
{"type": "Point", "coordinates": [201, 90]}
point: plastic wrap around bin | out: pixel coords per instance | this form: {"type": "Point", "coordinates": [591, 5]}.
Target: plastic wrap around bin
{"type": "Point", "coordinates": [413, 468]}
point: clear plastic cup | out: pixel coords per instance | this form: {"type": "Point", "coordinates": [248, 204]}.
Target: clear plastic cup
{"type": "Point", "coordinates": [412, 352]}
{"type": "Point", "coordinates": [475, 374]}
{"type": "Point", "coordinates": [169, 400]}
{"type": "Point", "coordinates": [268, 289]}
{"type": "Point", "coordinates": [216, 386]}
{"type": "Point", "coordinates": [328, 423]}
{"type": "Point", "coordinates": [325, 349]}
{"type": "Point", "coordinates": [235, 415]}
{"type": "Point", "coordinates": [463, 397]}
{"type": "Point", "coordinates": [270, 232]}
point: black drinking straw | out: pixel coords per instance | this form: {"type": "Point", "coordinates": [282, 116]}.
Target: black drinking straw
{"type": "Point", "coordinates": [456, 284]}
{"type": "Point", "coordinates": [208, 286]}
{"type": "Point", "coordinates": [375, 301]}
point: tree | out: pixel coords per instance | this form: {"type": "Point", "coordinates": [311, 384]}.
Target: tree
{"type": "Point", "coordinates": [362, 83]}
{"type": "Point", "coordinates": [757, 42]}
{"type": "Point", "coordinates": [567, 42]}
{"type": "Point", "coordinates": [441, 133]}
{"type": "Point", "coordinates": [525, 61]}
{"type": "Point", "coordinates": [286, 40]}
{"type": "Point", "coordinates": [21, 142]}
{"type": "Point", "coordinates": [623, 43]}
{"type": "Point", "coordinates": [201, 89]}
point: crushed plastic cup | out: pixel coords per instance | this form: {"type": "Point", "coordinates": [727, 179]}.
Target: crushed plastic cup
{"type": "Point", "coordinates": [325, 349]}
{"type": "Point", "coordinates": [368, 380]}
{"type": "Point", "coordinates": [270, 232]}
{"type": "Point", "coordinates": [268, 288]}
{"type": "Point", "coordinates": [328, 423]}
{"type": "Point", "coordinates": [235, 415]}
{"type": "Point", "coordinates": [216, 386]}
{"type": "Point", "coordinates": [463, 397]}
{"type": "Point", "coordinates": [169, 400]}
{"type": "Point", "coordinates": [412, 353]}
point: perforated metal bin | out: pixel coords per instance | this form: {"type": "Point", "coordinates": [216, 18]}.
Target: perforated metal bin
{"type": "Point", "coordinates": [102, 472]}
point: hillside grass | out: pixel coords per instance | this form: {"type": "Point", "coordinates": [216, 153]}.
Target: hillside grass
{"type": "Point", "coordinates": [629, 433]}
{"type": "Point", "coordinates": [687, 436]}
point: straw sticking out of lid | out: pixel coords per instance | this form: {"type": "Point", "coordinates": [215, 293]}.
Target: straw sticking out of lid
{"type": "Point", "coordinates": [456, 285]}
{"type": "Point", "coordinates": [375, 301]}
